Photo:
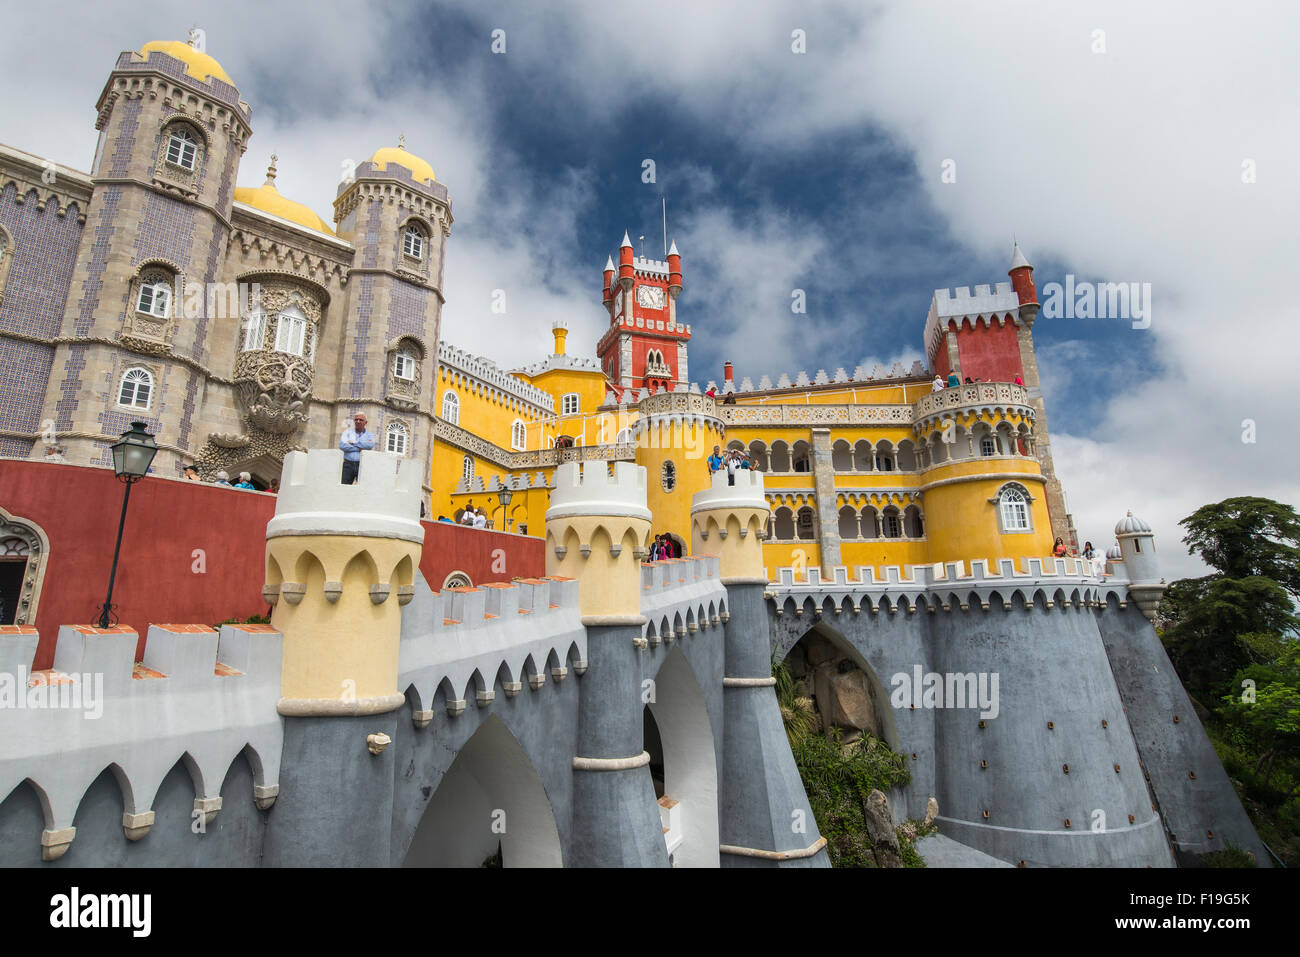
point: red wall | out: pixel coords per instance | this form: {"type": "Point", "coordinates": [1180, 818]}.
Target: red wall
{"type": "Point", "coordinates": [78, 509]}
{"type": "Point", "coordinates": [990, 353]}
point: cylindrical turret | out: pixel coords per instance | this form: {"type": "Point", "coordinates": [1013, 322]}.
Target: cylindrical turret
{"type": "Point", "coordinates": [1138, 546]}
{"type": "Point", "coordinates": [625, 263]}
{"type": "Point", "coordinates": [675, 435]}
{"type": "Point", "coordinates": [674, 271]}
{"type": "Point", "coordinates": [728, 375]}
{"type": "Point", "coordinates": [1022, 277]}
{"type": "Point", "coordinates": [340, 561]}
{"type": "Point", "coordinates": [606, 290]}
{"type": "Point", "coordinates": [727, 520]}
{"type": "Point", "coordinates": [560, 331]}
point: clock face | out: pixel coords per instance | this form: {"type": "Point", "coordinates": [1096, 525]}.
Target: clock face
{"type": "Point", "coordinates": [652, 297]}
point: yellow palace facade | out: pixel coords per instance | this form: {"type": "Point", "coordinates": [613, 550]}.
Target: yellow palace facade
{"type": "Point", "coordinates": [878, 467]}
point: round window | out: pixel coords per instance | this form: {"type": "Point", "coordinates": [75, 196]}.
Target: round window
{"type": "Point", "coordinates": [668, 476]}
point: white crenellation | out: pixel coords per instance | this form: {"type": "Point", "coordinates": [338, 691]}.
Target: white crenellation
{"type": "Point", "coordinates": [196, 693]}
{"type": "Point", "coordinates": [384, 502]}
{"type": "Point", "coordinates": [589, 488]}
{"type": "Point", "coordinates": [486, 372]}
{"type": "Point", "coordinates": [681, 594]}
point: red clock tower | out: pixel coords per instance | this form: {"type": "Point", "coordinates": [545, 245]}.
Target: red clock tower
{"type": "Point", "coordinates": [644, 346]}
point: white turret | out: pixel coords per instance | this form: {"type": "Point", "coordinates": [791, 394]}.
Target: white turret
{"type": "Point", "coordinates": [1138, 550]}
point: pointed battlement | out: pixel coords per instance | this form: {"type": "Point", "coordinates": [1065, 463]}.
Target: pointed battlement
{"type": "Point", "coordinates": [589, 488]}
{"type": "Point", "coordinates": [384, 502]}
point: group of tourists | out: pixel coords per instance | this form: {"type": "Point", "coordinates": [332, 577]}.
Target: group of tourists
{"type": "Point", "coordinates": [734, 460]}
{"type": "Point", "coordinates": [223, 478]}
{"type": "Point", "coordinates": [664, 546]}
{"type": "Point", "coordinates": [954, 380]}
{"type": "Point", "coordinates": [473, 517]}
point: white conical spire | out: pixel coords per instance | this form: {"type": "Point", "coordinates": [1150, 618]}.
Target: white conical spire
{"type": "Point", "coordinates": [609, 264]}
{"type": "Point", "coordinates": [626, 241]}
{"type": "Point", "coordinates": [672, 250]}
{"type": "Point", "coordinates": [1018, 258]}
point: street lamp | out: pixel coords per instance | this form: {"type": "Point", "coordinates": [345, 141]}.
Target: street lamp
{"type": "Point", "coordinates": [505, 495]}
{"type": "Point", "coordinates": [132, 455]}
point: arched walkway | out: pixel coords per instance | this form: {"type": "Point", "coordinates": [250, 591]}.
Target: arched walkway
{"type": "Point", "coordinates": [490, 796]}
{"type": "Point", "coordinates": [689, 762]}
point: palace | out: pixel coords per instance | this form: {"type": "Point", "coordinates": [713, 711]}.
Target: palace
{"type": "Point", "coordinates": [237, 325]}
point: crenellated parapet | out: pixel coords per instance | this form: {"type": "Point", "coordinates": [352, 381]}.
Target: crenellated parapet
{"type": "Point", "coordinates": [1051, 584]}
{"type": "Point", "coordinates": [460, 646]}
{"type": "Point", "coordinates": [340, 561]}
{"type": "Point", "coordinates": [197, 696]}
{"type": "Point", "coordinates": [727, 520]}
{"type": "Point", "coordinates": [597, 530]}
{"type": "Point", "coordinates": [681, 597]}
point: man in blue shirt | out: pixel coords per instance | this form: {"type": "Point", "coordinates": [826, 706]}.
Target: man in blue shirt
{"type": "Point", "coordinates": [715, 460]}
{"type": "Point", "coordinates": [355, 438]}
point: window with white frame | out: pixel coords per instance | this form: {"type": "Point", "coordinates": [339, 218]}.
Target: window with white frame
{"type": "Point", "coordinates": [135, 389]}
{"type": "Point", "coordinates": [1013, 505]}
{"type": "Point", "coordinates": [988, 446]}
{"type": "Point", "coordinates": [451, 407]}
{"type": "Point", "coordinates": [404, 365]}
{"type": "Point", "coordinates": [467, 469]}
{"type": "Point", "coordinates": [181, 148]}
{"type": "Point", "coordinates": [291, 333]}
{"type": "Point", "coordinates": [395, 438]}
{"type": "Point", "coordinates": [413, 242]}
{"type": "Point", "coordinates": [892, 527]}
{"type": "Point", "coordinates": [569, 404]}
{"type": "Point", "coordinates": [155, 297]}
{"type": "Point", "coordinates": [255, 330]}
{"type": "Point", "coordinates": [518, 435]}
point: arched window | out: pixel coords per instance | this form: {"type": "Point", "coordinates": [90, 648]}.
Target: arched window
{"type": "Point", "coordinates": [467, 469]}
{"type": "Point", "coordinates": [1013, 509]}
{"type": "Point", "coordinates": [291, 333]}
{"type": "Point", "coordinates": [255, 330]}
{"type": "Point", "coordinates": [182, 150]}
{"type": "Point", "coordinates": [404, 365]}
{"type": "Point", "coordinates": [136, 388]}
{"type": "Point", "coordinates": [395, 438]}
{"type": "Point", "coordinates": [451, 408]}
{"type": "Point", "coordinates": [892, 526]}
{"type": "Point", "coordinates": [413, 242]}
{"type": "Point", "coordinates": [155, 297]}
{"type": "Point", "coordinates": [569, 404]}
{"type": "Point", "coordinates": [783, 525]}
{"type": "Point", "coordinates": [518, 435]}
{"type": "Point", "coordinates": [805, 522]}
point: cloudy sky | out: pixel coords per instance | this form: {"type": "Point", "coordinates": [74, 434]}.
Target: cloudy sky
{"type": "Point", "coordinates": [1153, 143]}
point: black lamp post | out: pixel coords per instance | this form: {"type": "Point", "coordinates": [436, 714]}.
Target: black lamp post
{"type": "Point", "coordinates": [505, 495]}
{"type": "Point", "coordinates": [132, 455]}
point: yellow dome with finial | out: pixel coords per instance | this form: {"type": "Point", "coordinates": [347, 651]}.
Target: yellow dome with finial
{"type": "Point", "coordinates": [268, 199]}
{"type": "Point", "coordinates": [197, 63]}
{"type": "Point", "coordinates": [398, 155]}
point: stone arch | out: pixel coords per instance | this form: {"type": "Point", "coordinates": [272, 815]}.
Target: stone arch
{"type": "Point", "coordinates": [841, 456]}
{"type": "Point", "coordinates": [24, 553]}
{"type": "Point", "coordinates": [690, 762]}
{"type": "Point", "coordinates": [461, 826]}
{"type": "Point", "coordinates": [862, 456]}
{"type": "Point", "coordinates": [817, 660]}
{"type": "Point", "coordinates": [780, 456]}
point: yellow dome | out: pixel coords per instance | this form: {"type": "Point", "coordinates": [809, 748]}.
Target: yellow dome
{"type": "Point", "coordinates": [197, 63]}
{"type": "Point", "coordinates": [397, 154]}
{"type": "Point", "coordinates": [268, 199]}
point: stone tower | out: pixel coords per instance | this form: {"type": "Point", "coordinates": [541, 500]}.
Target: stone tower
{"type": "Point", "coordinates": [172, 129]}
{"type": "Point", "coordinates": [644, 347]}
{"type": "Point", "coordinates": [398, 216]}
{"type": "Point", "coordinates": [596, 531]}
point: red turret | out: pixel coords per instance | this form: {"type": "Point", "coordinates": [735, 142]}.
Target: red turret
{"type": "Point", "coordinates": [625, 262]}
{"type": "Point", "coordinates": [1022, 276]}
{"type": "Point", "coordinates": [727, 376]}
{"type": "Point", "coordinates": [607, 296]}
{"type": "Point", "coordinates": [674, 271]}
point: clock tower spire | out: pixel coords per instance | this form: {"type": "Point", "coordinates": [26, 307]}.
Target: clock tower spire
{"type": "Point", "coordinates": [645, 345]}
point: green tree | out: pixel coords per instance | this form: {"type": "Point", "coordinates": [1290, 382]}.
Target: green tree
{"type": "Point", "coordinates": [1217, 623]}
{"type": "Point", "coordinates": [1265, 706]}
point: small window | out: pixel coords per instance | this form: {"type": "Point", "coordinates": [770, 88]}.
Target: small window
{"type": "Point", "coordinates": [1015, 510]}
{"type": "Point", "coordinates": [451, 408]}
{"type": "Point", "coordinates": [395, 438]}
{"type": "Point", "coordinates": [569, 404]}
{"type": "Point", "coordinates": [892, 527]}
{"type": "Point", "coordinates": [885, 463]}
{"type": "Point", "coordinates": [518, 435]}
{"type": "Point", "coordinates": [255, 330]}
{"type": "Point", "coordinates": [155, 298]}
{"type": "Point", "coordinates": [404, 365]}
{"type": "Point", "coordinates": [467, 469]}
{"type": "Point", "coordinates": [136, 389]}
{"type": "Point", "coordinates": [668, 476]}
{"type": "Point", "coordinates": [413, 242]}
{"type": "Point", "coordinates": [805, 523]}
{"type": "Point", "coordinates": [181, 149]}
{"type": "Point", "coordinates": [291, 332]}
{"type": "Point", "coordinates": [988, 447]}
